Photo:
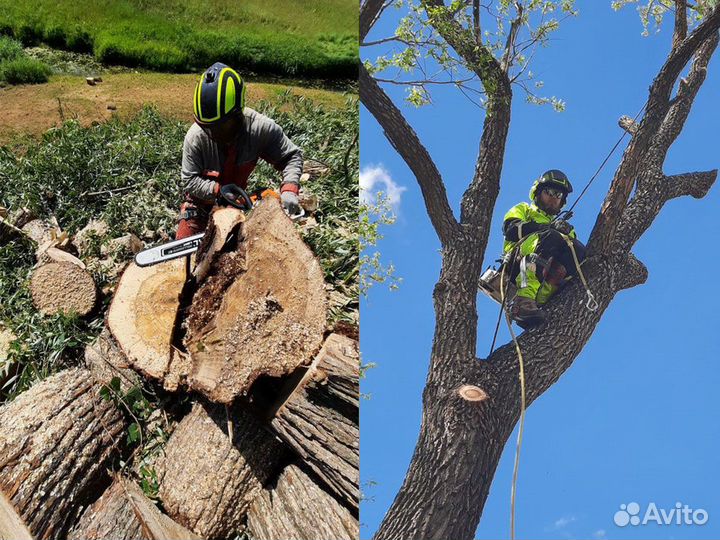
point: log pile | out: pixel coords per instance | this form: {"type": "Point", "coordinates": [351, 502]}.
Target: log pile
{"type": "Point", "coordinates": [266, 442]}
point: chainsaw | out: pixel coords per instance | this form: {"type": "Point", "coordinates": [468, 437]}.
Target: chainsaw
{"type": "Point", "coordinates": [232, 195]}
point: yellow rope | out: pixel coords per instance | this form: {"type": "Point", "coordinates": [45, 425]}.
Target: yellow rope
{"type": "Point", "coordinates": [521, 427]}
{"type": "Point", "coordinates": [592, 305]}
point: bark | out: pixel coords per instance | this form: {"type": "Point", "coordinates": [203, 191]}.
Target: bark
{"type": "Point", "coordinates": [56, 441]}
{"type": "Point", "coordinates": [272, 315]}
{"type": "Point", "coordinates": [319, 421]}
{"type": "Point", "coordinates": [207, 481]}
{"type": "Point", "coordinates": [296, 508]}
{"type": "Point", "coordinates": [62, 287]}
{"type": "Point", "coordinates": [106, 361]}
{"type": "Point", "coordinates": [143, 314]}
{"type": "Point", "coordinates": [9, 232]}
{"type": "Point", "coordinates": [123, 512]}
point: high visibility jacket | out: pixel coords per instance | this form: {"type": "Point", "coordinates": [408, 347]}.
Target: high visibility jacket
{"type": "Point", "coordinates": [526, 213]}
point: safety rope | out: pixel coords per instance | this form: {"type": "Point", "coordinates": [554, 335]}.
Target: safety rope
{"type": "Point", "coordinates": [600, 168]}
{"type": "Point", "coordinates": [591, 304]}
{"type": "Point", "coordinates": [521, 427]}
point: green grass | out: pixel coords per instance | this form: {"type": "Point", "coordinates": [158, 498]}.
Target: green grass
{"type": "Point", "coordinates": [60, 174]}
{"type": "Point", "coordinates": [17, 68]}
{"type": "Point", "coordinates": [310, 39]}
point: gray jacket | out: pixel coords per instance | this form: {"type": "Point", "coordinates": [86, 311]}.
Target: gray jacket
{"type": "Point", "coordinates": [260, 137]}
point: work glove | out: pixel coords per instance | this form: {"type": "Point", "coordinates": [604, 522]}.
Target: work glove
{"type": "Point", "coordinates": [290, 203]}
{"type": "Point", "coordinates": [561, 226]}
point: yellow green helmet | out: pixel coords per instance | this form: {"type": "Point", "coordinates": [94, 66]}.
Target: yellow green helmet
{"type": "Point", "coordinates": [551, 178]}
{"type": "Point", "coordinates": [218, 94]}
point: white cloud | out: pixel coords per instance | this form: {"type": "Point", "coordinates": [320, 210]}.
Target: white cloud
{"type": "Point", "coordinates": [374, 178]}
{"type": "Point", "coordinates": [564, 522]}
{"type": "Point", "coordinates": [599, 534]}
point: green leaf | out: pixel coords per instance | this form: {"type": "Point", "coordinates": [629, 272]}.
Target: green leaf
{"type": "Point", "coordinates": [133, 433]}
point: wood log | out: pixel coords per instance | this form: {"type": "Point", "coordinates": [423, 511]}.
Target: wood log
{"type": "Point", "coordinates": [272, 316]}
{"type": "Point", "coordinates": [63, 287]}
{"type": "Point", "coordinates": [53, 254]}
{"type": "Point", "coordinates": [106, 361]}
{"type": "Point", "coordinates": [142, 315]}
{"type": "Point", "coordinates": [225, 227]}
{"type": "Point", "coordinates": [207, 482]}
{"type": "Point", "coordinates": [9, 232]}
{"type": "Point", "coordinates": [123, 512]}
{"type": "Point", "coordinates": [296, 508]}
{"type": "Point", "coordinates": [56, 441]}
{"type": "Point", "coordinates": [319, 420]}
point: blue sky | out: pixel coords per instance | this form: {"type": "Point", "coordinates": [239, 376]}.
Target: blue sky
{"type": "Point", "coordinates": [635, 418]}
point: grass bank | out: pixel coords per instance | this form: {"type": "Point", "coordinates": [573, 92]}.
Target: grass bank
{"type": "Point", "coordinates": [312, 38]}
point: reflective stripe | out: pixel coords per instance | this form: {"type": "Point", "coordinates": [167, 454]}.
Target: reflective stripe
{"type": "Point", "coordinates": [230, 95]}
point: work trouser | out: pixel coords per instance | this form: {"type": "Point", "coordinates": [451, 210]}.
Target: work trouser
{"type": "Point", "coordinates": [193, 219]}
{"type": "Point", "coordinates": [543, 262]}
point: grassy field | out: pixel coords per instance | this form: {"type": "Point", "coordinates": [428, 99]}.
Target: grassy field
{"type": "Point", "coordinates": [315, 38]}
{"type": "Point", "coordinates": [32, 110]}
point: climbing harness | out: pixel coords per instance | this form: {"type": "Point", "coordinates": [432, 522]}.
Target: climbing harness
{"type": "Point", "coordinates": [591, 305]}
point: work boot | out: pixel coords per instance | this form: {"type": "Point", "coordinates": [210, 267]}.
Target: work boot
{"type": "Point", "coordinates": [525, 312]}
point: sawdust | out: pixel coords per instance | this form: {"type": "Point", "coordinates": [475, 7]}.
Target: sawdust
{"type": "Point", "coordinates": [63, 287]}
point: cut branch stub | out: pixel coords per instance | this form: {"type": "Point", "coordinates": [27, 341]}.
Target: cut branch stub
{"type": "Point", "coordinates": [123, 512]}
{"type": "Point", "coordinates": [63, 287]}
{"type": "Point", "coordinates": [319, 420]}
{"type": "Point", "coordinates": [273, 311]}
{"type": "Point", "coordinates": [207, 482]}
{"type": "Point", "coordinates": [143, 313]}
{"type": "Point", "coordinates": [296, 508]}
{"type": "Point", "coordinates": [56, 441]}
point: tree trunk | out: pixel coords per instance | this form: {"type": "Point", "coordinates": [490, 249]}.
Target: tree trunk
{"type": "Point", "coordinates": [320, 418]}
{"type": "Point", "coordinates": [272, 315]}
{"type": "Point", "coordinates": [125, 513]}
{"type": "Point", "coordinates": [206, 482]}
{"type": "Point", "coordinates": [296, 508]}
{"type": "Point", "coordinates": [143, 314]}
{"type": "Point", "coordinates": [56, 441]}
{"type": "Point", "coordinates": [63, 287]}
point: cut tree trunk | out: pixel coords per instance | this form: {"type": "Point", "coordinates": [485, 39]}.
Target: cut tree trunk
{"type": "Point", "coordinates": [56, 441]}
{"type": "Point", "coordinates": [225, 228]}
{"type": "Point", "coordinates": [125, 513]}
{"type": "Point", "coordinates": [273, 313]}
{"type": "Point", "coordinates": [296, 508]}
{"type": "Point", "coordinates": [320, 418]}
{"type": "Point", "coordinates": [63, 287]}
{"type": "Point", "coordinates": [143, 313]}
{"type": "Point", "coordinates": [207, 482]}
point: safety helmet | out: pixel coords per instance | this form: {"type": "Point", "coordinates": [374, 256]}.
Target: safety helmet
{"type": "Point", "coordinates": [219, 93]}
{"type": "Point", "coordinates": [551, 178]}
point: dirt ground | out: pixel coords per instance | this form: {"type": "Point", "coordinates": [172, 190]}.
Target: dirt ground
{"type": "Point", "coordinates": [33, 109]}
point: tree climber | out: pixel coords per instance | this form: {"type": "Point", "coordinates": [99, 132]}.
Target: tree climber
{"type": "Point", "coordinates": [222, 147]}
{"type": "Point", "coordinates": [543, 259]}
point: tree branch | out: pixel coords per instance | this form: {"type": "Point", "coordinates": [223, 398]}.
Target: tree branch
{"type": "Point", "coordinates": [681, 104]}
{"type": "Point", "coordinates": [681, 28]}
{"type": "Point", "coordinates": [369, 12]}
{"type": "Point", "coordinates": [479, 199]}
{"type": "Point", "coordinates": [508, 55]}
{"type": "Point", "coordinates": [657, 190]}
{"type": "Point", "coordinates": [633, 159]}
{"type": "Point", "coordinates": [407, 144]}
{"type": "Point", "coordinates": [476, 21]}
